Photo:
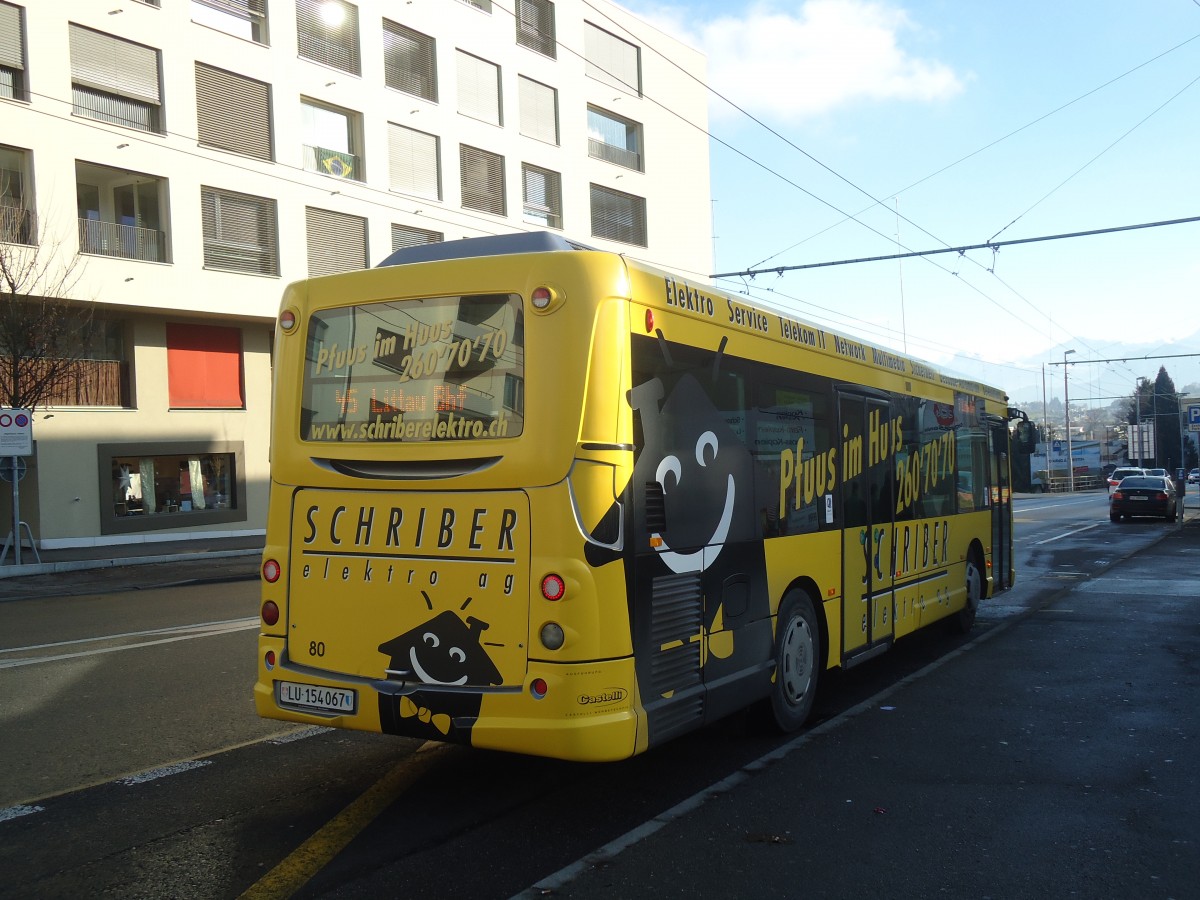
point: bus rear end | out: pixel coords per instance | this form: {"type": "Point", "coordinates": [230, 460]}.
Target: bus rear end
{"type": "Point", "coordinates": [426, 572]}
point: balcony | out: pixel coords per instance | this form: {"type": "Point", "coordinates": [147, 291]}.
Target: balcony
{"type": "Point", "coordinates": [630, 159]}
{"type": "Point", "coordinates": [124, 241]}
{"type": "Point", "coordinates": [18, 225]}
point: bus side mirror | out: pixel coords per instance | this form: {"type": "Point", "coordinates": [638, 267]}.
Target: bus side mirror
{"type": "Point", "coordinates": [1026, 437]}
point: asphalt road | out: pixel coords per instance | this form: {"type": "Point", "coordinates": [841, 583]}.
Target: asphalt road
{"type": "Point", "coordinates": [1052, 753]}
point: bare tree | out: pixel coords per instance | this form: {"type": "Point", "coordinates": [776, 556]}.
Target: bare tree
{"type": "Point", "coordinates": [44, 330]}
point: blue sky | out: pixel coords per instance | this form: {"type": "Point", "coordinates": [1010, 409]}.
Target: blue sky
{"type": "Point", "coordinates": [971, 122]}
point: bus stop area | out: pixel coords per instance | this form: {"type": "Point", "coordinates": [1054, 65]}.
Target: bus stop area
{"type": "Point", "coordinates": [1057, 756]}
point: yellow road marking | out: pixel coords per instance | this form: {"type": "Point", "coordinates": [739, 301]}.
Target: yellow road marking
{"type": "Point", "coordinates": [299, 867]}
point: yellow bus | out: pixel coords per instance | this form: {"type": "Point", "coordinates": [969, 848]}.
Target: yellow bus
{"type": "Point", "coordinates": [535, 497]}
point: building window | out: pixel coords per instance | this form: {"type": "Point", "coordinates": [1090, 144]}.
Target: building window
{"type": "Point", "coordinates": [242, 18]}
{"type": "Point", "coordinates": [154, 485]}
{"type": "Point", "coordinates": [18, 223]}
{"type": "Point", "coordinates": [614, 139]}
{"type": "Point", "coordinates": [121, 213]}
{"type": "Point", "coordinates": [240, 232]}
{"type": "Point", "coordinates": [482, 180]}
{"type": "Point", "coordinates": [409, 61]}
{"type": "Point", "coordinates": [539, 110]}
{"type": "Point", "coordinates": [406, 236]}
{"type": "Point", "coordinates": [618, 216]}
{"type": "Point", "coordinates": [332, 137]}
{"type": "Point", "coordinates": [233, 112]}
{"type": "Point", "coordinates": [414, 162]}
{"type": "Point", "coordinates": [542, 196]}
{"type": "Point", "coordinates": [99, 375]}
{"type": "Point", "coordinates": [337, 242]}
{"type": "Point", "coordinates": [115, 81]}
{"type": "Point", "coordinates": [204, 367]}
{"type": "Point", "coordinates": [481, 5]}
{"type": "Point", "coordinates": [12, 53]}
{"type": "Point", "coordinates": [611, 60]}
{"type": "Point", "coordinates": [479, 89]}
{"type": "Point", "coordinates": [535, 26]}
{"type": "Point", "coordinates": [327, 32]}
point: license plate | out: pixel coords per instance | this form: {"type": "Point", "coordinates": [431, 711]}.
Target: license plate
{"type": "Point", "coordinates": [1139, 498]}
{"type": "Point", "coordinates": [315, 697]}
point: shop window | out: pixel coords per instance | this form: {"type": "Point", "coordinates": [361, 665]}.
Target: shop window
{"type": "Point", "coordinates": [204, 367]}
{"type": "Point", "coordinates": [170, 485]}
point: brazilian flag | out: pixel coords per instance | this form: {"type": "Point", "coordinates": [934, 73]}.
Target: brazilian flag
{"type": "Point", "coordinates": [340, 165]}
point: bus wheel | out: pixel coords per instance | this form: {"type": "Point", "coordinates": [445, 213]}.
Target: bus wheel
{"type": "Point", "coordinates": [797, 662]}
{"type": "Point", "coordinates": [964, 619]}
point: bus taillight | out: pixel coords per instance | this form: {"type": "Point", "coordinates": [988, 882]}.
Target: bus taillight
{"type": "Point", "coordinates": [553, 587]}
{"type": "Point", "coordinates": [269, 660]}
{"type": "Point", "coordinates": [270, 571]}
{"type": "Point", "coordinates": [538, 688]}
{"type": "Point", "coordinates": [270, 612]}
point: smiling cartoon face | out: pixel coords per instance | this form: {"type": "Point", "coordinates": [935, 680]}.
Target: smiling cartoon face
{"type": "Point", "coordinates": [699, 462]}
{"type": "Point", "coordinates": [444, 650]}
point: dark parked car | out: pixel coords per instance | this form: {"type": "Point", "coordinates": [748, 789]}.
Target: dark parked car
{"type": "Point", "coordinates": [1115, 476]}
{"type": "Point", "coordinates": [1143, 495]}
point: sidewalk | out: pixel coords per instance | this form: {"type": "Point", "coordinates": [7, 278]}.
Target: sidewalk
{"type": "Point", "coordinates": [133, 566]}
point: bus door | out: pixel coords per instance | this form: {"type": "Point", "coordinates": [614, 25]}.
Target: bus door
{"type": "Point", "coordinates": [1001, 496]}
{"type": "Point", "coordinates": [867, 533]}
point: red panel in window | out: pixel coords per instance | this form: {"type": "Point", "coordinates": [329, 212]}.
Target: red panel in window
{"type": "Point", "coordinates": [204, 367]}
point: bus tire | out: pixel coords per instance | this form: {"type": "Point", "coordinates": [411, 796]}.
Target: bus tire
{"type": "Point", "coordinates": [964, 620]}
{"type": "Point", "coordinates": [797, 662]}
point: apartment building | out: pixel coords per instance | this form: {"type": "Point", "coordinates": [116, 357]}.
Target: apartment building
{"type": "Point", "coordinates": [195, 156]}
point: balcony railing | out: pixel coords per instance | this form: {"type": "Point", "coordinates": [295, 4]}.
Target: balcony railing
{"type": "Point", "coordinates": [126, 241]}
{"type": "Point", "coordinates": [17, 225]}
{"type": "Point", "coordinates": [333, 162]}
{"type": "Point", "coordinates": [630, 159]}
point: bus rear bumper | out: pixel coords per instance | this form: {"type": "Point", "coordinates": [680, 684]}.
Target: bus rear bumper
{"type": "Point", "coordinates": [588, 712]}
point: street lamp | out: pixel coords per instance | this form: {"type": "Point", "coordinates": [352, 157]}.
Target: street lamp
{"type": "Point", "coordinates": [1067, 412]}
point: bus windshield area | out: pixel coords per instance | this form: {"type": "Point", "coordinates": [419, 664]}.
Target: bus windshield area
{"type": "Point", "coordinates": [415, 370]}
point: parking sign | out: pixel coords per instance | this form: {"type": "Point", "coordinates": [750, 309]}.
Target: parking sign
{"type": "Point", "coordinates": [1193, 416]}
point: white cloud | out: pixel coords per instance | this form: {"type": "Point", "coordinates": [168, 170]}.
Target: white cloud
{"type": "Point", "coordinates": [799, 64]}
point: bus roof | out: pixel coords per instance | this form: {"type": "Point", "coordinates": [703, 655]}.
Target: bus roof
{"type": "Point", "coordinates": [491, 245]}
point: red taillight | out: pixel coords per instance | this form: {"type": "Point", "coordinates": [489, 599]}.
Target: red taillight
{"type": "Point", "coordinates": [269, 659]}
{"type": "Point", "coordinates": [541, 297]}
{"type": "Point", "coordinates": [538, 688]}
{"type": "Point", "coordinates": [649, 321]}
{"type": "Point", "coordinates": [553, 587]}
{"type": "Point", "coordinates": [287, 320]}
{"type": "Point", "coordinates": [270, 571]}
{"type": "Point", "coordinates": [1162, 496]}
{"type": "Point", "coordinates": [270, 612]}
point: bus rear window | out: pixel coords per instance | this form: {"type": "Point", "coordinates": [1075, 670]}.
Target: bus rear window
{"type": "Point", "coordinates": [433, 369]}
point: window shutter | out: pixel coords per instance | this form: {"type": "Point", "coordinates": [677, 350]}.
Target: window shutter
{"type": "Point", "coordinates": [240, 232]}
{"type": "Point", "coordinates": [12, 53]}
{"type": "Point", "coordinates": [539, 110]}
{"type": "Point", "coordinates": [542, 196]}
{"type": "Point", "coordinates": [116, 66]}
{"type": "Point", "coordinates": [478, 88]}
{"type": "Point", "coordinates": [409, 61]}
{"type": "Point", "coordinates": [406, 236]}
{"type": "Point", "coordinates": [233, 112]}
{"type": "Point", "coordinates": [618, 216]}
{"type": "Point", "coordinates": [482, 180]}
{"type": "Point", "coordinates": [535, 26]}
{"type": "Point", "coordinates": [333, 45]}
{"type": "Point", "coordinates": [337, 242]}
{"type": "Point", "coordinates": [611, 60]}
{"type": "Point", "coordinates": [413, 165]}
